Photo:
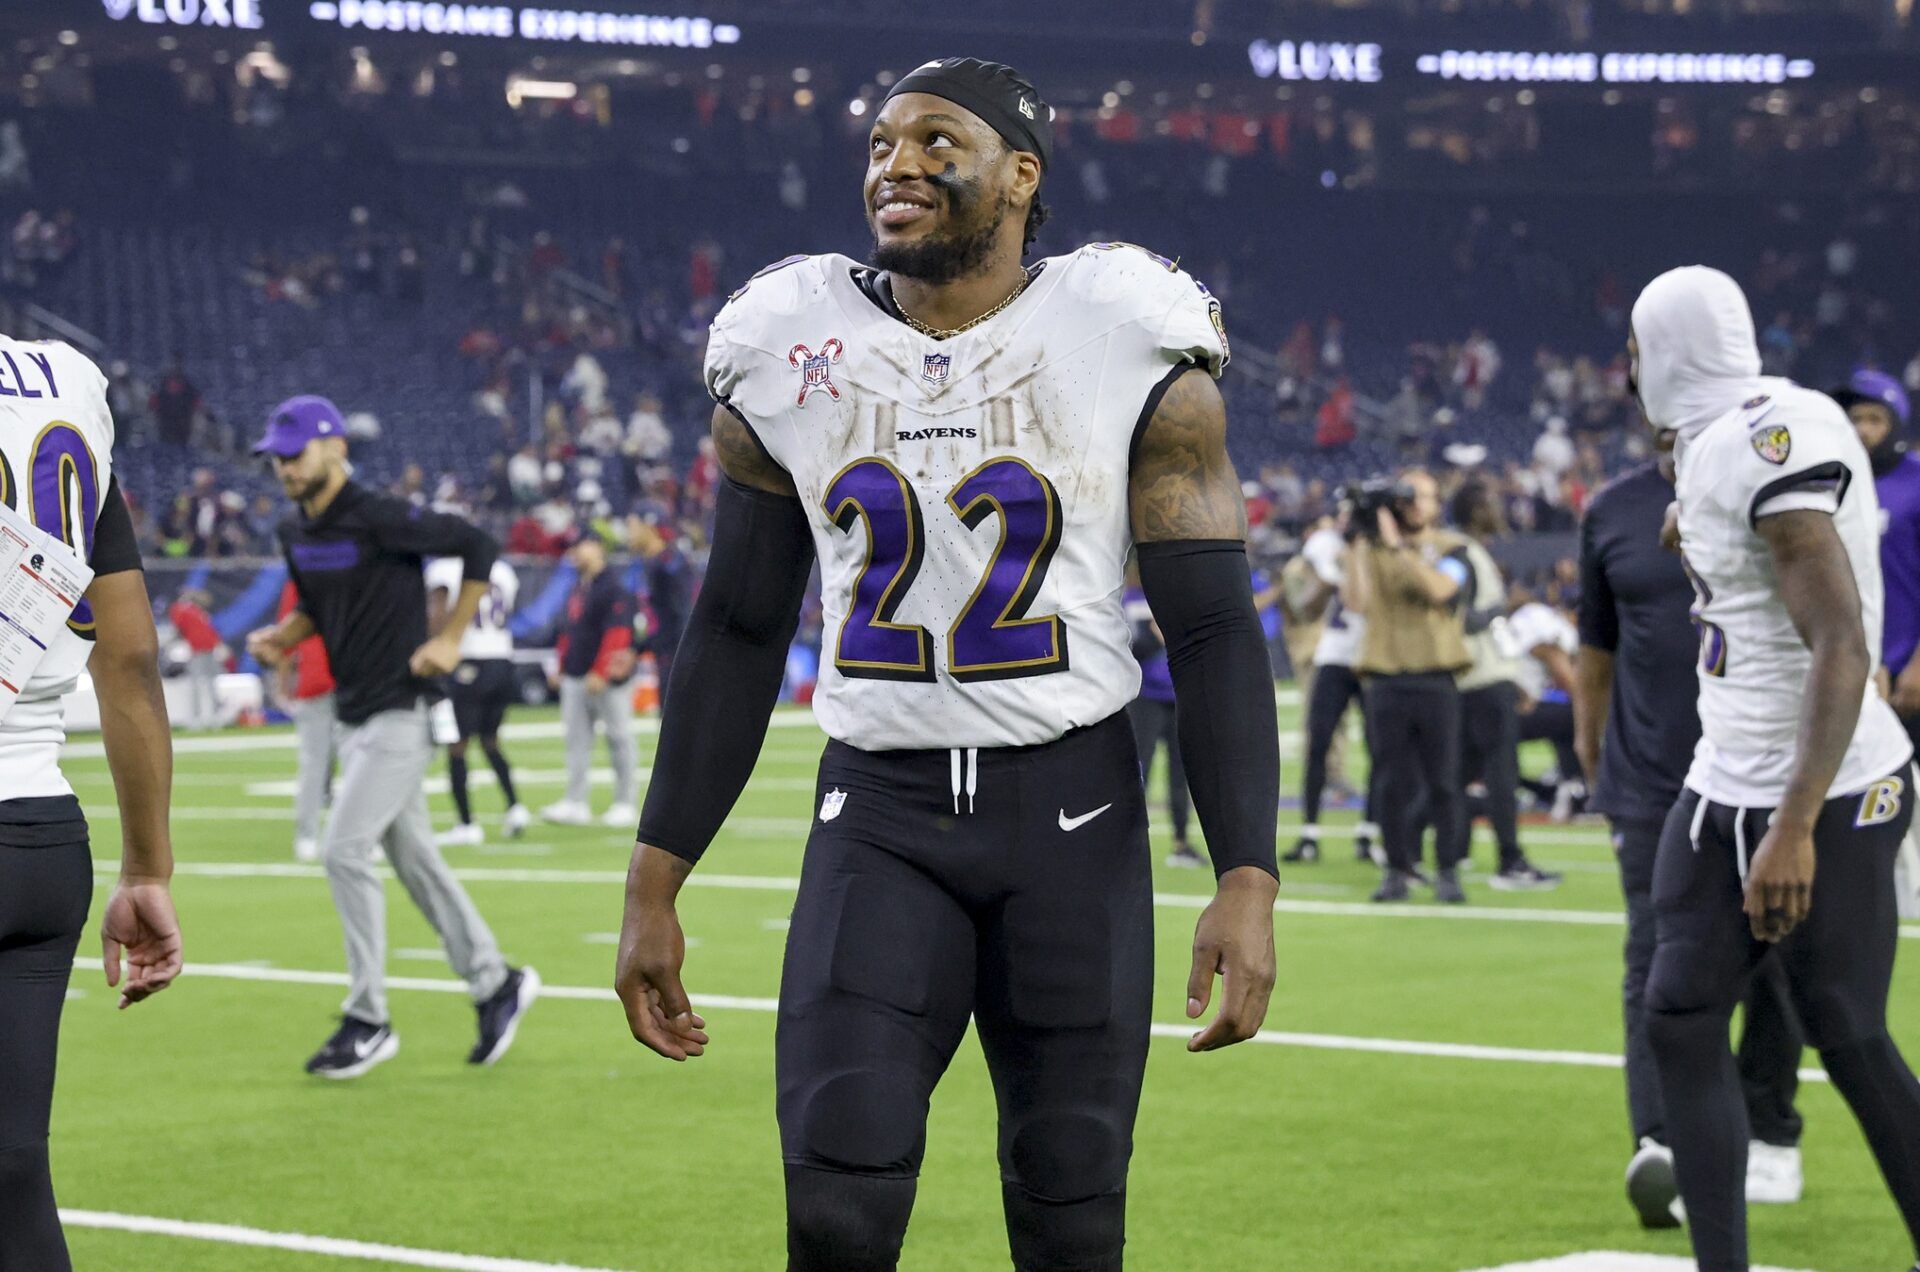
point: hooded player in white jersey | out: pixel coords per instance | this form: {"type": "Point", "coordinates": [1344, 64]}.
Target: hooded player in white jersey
{"type": "Point", "coordinates": [1336, 686]}
{"type": "Point", "coordinates": [970, 447]}
{"type": "Point", "coordinates": [482, 687]}
{"type": "Point", "coordinates": [56, 474]}
{"type": "Point", "coordinates": [1800, 765]}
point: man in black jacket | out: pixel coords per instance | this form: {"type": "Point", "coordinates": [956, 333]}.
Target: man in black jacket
{"type": "Point", "coordinates": [357, 560]}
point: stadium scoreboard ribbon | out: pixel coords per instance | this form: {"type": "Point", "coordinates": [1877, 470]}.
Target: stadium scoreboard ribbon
{"type": "Point", "coordinates": [42, 580]}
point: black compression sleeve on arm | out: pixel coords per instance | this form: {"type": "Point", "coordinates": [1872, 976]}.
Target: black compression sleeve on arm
{"type": "Point", "coordinates": [727, 672]}
{"type": "Point", "coordinates": [115, 548]}
{"type": "Point", "coordinates": [1202, 596]}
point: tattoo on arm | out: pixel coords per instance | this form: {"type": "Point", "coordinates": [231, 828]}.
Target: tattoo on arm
{"type": "Point", "coordinates": [1183, 485]}
{"type": "Point", "coordinates": [742, 458]}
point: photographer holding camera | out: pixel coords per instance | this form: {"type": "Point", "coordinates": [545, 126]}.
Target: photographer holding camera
{"type": "Point", "coordinates": [1406, 577]}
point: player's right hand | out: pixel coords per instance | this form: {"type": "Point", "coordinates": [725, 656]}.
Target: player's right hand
{"type": "Point", "coordinates": [264, 644]}
{"type": "Point", "coordinates": [647, 979]}
{"type": "Point", "coordinates": [1670, 528]}
{"type": "Point", "coordinates": [1780, 881]}
{"type": "Point", "coordinates": [139, 922]}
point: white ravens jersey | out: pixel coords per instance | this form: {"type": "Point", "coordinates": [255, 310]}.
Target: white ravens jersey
{"type": "Point", "coordinates": [1784, 449]}
{"type": "Point", "coordinates": [968, 496]}
{"type": "Point", "coordinates": [487, 636]}
{"type": "Point", "coordinates": [1340, 640]}
{"type": "Point", "coordinates": [56, 458]}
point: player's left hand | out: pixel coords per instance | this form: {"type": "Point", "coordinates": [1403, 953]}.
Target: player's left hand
{"type": "Point", "coordinates": [139, 922]}
{"type": "Point", "coordinates": [1670, 528]}
{"type": "Point", "coordinates": [1780, 881]}
{"type": "Point", "coordinates": [1234, 938]}
{"type": "Point", "coordinates": [437, 657]}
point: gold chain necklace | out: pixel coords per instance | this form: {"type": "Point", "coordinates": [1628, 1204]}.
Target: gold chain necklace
{"type": "Point", "coordinates": [936, 333]}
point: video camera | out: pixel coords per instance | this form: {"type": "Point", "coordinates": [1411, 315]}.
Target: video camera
{"type": "Point", "coordinates": [1365, 499]}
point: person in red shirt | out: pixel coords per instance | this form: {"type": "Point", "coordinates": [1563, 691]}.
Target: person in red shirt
{"type": "Point", "coordinates": [596, 661]}
{"type": "Point", "coordinates": [189, 617]}
{"type": "Point", "coordinates": [304, 681]}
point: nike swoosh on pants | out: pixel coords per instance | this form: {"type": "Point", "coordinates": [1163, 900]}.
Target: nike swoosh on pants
{"type": "Point", "coordinates": [1075, 823]}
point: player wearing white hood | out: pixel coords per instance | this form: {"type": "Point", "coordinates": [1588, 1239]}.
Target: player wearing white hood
{"type": "Point", "coordinates": [1799, 760]}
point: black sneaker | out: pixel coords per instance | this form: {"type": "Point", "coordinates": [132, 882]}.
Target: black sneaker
{"type": "Point", "coordinates": [1524, 876]}
{"type": "Point", "coordinates": [1184, 856]}
{"type": "Point", "coordinates": [1363, 848]}
{"type": "Point", "coordinates": [500, 1015]}
{"type": "Point", "coordinates": [356, 1046]}
{"type": "Point", "coordinates": [1393, 887]}
{"type": "Point", "coordinates": [1306, 852]}
{"type": "Point", "coordinates": [1447, 890]}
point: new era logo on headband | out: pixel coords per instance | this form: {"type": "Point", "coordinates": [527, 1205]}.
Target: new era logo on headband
{"type": "Point", "coordinates": [1026, 108]}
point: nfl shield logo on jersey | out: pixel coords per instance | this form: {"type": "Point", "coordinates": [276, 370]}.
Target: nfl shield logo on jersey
{"type": "Point", "coordinates": [816, 369]}
{"type": "Point", "coordinates": [830, 805]}
{"type": "Point", "coordinates": [934, 370]}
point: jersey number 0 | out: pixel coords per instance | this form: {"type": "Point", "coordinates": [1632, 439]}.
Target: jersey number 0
{"type": "Point", "coordinates": [993, 638]}
{"type": "Point", "coordinates": [63, 497]}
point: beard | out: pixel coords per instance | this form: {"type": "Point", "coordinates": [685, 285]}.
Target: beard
{"type": "Point", "coordinates": [308, 490]}
{"type": "Point", "coordinates": [943, 257]}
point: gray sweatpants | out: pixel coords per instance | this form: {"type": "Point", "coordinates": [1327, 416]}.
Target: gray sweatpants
{"type": "Point", "coordinates": [612, 710]}
{"type": "Point", "coordinates": [203, 671]}
{"type": "Point", "coordinates": [318, 734]}
{"type": "Point", "coordinates": [380, 803]}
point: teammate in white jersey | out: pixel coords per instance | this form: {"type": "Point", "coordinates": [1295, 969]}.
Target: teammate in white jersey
{"type": "Point", "coordinates": [1336, 686]}
{"type": "Point", "coordinates": [1800, 760]}
{"type": "Point", "coordinates": [482, 687]}
{"type": "Point", "coordinates": [56, 472]}
{"type": "Point", "coordinates": [971, 448]}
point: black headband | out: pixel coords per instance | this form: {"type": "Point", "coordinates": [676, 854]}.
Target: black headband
{"type": "Point", "coordinates": [1003, 99]}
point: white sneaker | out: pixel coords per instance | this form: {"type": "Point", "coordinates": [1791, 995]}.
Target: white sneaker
{"type": "Point", "coordinates": [621, 816]}
{"type": "Point", "coordinates": [466, 836]}
{"type": "Point", "coordinates": [1773, 1175]}
{"type": "Point", "coordinates": [518, 819]}
{"type": "Point", "coordinates": [307, 850]}
{"type": "Point", "coordinates": [1652, 1188]}
{"type": "Point", "coordinates": [567, 813]}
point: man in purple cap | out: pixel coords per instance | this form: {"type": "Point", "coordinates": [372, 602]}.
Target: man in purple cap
{"type": "Point", "coordinates": [1878, 407]}
{"type": "Point", "coordinates": [356, 558]}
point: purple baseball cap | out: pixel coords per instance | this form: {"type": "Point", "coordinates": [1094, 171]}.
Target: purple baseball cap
{"type": "Point", "coordinates": [1874, 386]}
{"type": "Point", "coordinates": [297, 421]}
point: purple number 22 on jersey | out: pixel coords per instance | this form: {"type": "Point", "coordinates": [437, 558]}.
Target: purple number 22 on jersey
{"type": "Point", "coordinates": [992, 638]}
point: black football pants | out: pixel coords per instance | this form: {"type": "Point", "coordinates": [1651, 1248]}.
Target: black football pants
{"type": "Point", "coordinates": [44, 896]}
{"type": "Point", "coordinates": [1335, 688]}
{"type": "Point", "coordinates": [1010, 886]}
{"type": "Point", "coordinates": [1770, 1037]}
{"type": "Point", "coordinates": [1413, 726]}
{"type": "Point", "coordinates": [1839, 967]}
{"type": "Point", "coordinates": [1490, 754]}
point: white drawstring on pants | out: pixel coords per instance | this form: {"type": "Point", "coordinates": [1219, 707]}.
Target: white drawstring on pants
{"type": "Point", "coordinates": [1699, 820]}
{"type": "Point", "coordinates": [968, 782]}
{"type": "Point", "coordinates": [1740, 842]}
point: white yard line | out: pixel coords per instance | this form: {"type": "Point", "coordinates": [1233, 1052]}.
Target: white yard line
{"type": "Point", "coordinates": [788, 883]}
{"type": "Point", "coordinates": [1271, 1037]}
{"type": "Point", "coordinates": [335, 1247]}
{"type": "Point", "coordinates": [285, 739]}
{"type": "Point", "coordinates": [1609, 1261]}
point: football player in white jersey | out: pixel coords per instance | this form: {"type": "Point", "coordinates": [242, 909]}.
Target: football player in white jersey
{"type": "Point", "coordinates": [482, 687]}
{"type": "Point", "coordinates": [1800, 762]}
{"type": "Point", "coordinates": [970, 447]}
{"type": "Point", "coordinates": [56, 471]}
{"type": "Point", "coordinates": [1336, 686]}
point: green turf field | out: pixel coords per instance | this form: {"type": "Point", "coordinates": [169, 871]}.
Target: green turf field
{"type": "Point", "coordinates": [1304, 1150]}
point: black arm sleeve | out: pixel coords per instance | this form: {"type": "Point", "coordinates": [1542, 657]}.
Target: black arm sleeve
{"type": "Point", "coordinates": [115, 549]}
{"type": "Point", "coordinates": [727, 672]}
{"type": "Point", "coordinates": [1202, 596]}
{"type": "Point", "coordinates": [400, 527]}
